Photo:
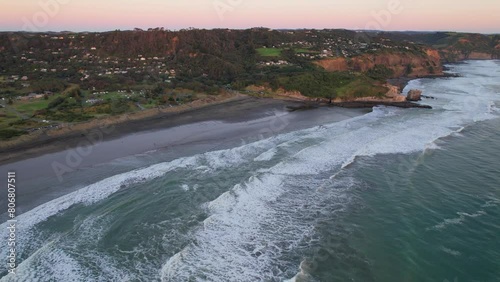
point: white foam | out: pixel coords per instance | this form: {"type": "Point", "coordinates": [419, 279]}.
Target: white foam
{"type": "Point", "coordinates": [87, 196]}
{"type": "Point", "coordinates": [302, 276]}
{"type": "Point", "coordinates": [98, 191]}
{"type": "Point", "coordinates": [235, 219]}
{"type": "Point", "coordinates": [237, 214]}
{"type": "Point", "coordinates": [55, 264]}
{"type": "Point", "coordinates": [246, 220]}
{"type": "Point", "coordinates": [491, 203]}
{"type": "Point", "coordinates": [451, 252]}
{"type": "Point", "coordinates": [462, 216]}
{"type": "Point", "coordinates": [266, 156]}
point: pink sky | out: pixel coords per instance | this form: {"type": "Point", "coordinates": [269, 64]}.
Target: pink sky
{"type": "Point", "coordinates": [101, 15]}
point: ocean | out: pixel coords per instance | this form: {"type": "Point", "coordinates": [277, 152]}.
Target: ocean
{"type": "Point", "coordinates": [390, 195]}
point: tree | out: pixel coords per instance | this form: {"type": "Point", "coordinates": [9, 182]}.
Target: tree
{"type": "Point", "coordinates": [409, 69]}
{"type": "Point", "coordinates": [380, 72]}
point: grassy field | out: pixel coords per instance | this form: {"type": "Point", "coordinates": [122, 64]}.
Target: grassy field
{"type": "Point", "coordinates": [15, 111]}
{"type": "Point", "coordinates": [20, 110]}
{"type": "Point", "coordinates": [28, 107]}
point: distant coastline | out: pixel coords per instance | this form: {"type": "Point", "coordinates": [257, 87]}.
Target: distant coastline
{"type": "Point", "coordinates": [56, 86]}
{"type": "Point", "coordinates": [231, 106]}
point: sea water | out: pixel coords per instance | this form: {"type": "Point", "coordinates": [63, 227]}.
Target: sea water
{"type": "Point", "coordinates": [392, 195]}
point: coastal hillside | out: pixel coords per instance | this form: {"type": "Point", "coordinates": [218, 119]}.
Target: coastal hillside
{"type": "Point", "coordinates": [454, 46]}
{"type": "Point", "coordinates": [421, 62]}
{"type": "Point", "coordinates": [52, 79]}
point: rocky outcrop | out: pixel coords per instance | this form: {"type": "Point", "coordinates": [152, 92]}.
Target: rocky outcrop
{"type": "Point", "coordinates": [392, 95]}
{"type": "Point", "coordinates": [414, 95]}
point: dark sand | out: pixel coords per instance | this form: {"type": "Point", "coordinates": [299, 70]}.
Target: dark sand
{"type": "Point", "coordinates": [136, 144]}
{"type": "Point", "coordinates": [233, 111]}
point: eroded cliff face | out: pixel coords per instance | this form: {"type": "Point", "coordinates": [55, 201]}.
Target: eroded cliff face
{"type": "Point", "coordinates": [402, 63]}
{"type": "Point", "coordinates": [455, 56]}
{"type": "Point", "coordinates": [335, 64]}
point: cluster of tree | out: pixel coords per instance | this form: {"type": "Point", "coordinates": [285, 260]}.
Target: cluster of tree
{"type": "Point", "coordinates": [8, 133]}
{"type": "Point", "coordinates": [204, 60]}
{"type": "Point", "coordinates": [332, 85]}
{"type": "Point", "coordinates": [380, 72]}
{"type": "Point", "coordinates": [67, 107]}
{"type": "Point", "coordinates": [317, 83]}
{"type": "Point", "coordinates": [53, 85]}
{"type": "Point", "coordinates": [222, 55]}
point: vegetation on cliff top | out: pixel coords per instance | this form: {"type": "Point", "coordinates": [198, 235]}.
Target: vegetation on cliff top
{"type": "Point", "coordinates": [49, 78]}
{"type": "Point", "coordinates": [332, 85]}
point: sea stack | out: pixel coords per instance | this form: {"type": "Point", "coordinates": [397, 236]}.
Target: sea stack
{"type": "Point", "coordinates": [414, 95]}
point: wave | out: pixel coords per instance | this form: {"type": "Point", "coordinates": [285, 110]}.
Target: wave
{"type": "Point", "coordinates": [26, 234]}
{"type": "Point", "coordinates": [259, 219]}
{"type": "Point", "coordinates": [266, 156]}
{"type": "Point", "coordinates": [238, 214]}
{"type": "Point", "coordinates": [462, 216]}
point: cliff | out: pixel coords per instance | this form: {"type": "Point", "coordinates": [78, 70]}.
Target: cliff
{"type": "Point", "coordinates": [412, 64]}
{"type": "Point", "coordinates": [451, 56]}
{"type": "Point", "coordinates": [454, 46]}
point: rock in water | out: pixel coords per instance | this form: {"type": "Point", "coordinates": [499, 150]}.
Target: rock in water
{"type": "Point", "coordinates": [414, 95]}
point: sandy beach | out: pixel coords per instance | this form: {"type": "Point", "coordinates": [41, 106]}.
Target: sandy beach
{"type": "Point", "coordinates": [233, 109]}
{"type": "Point", "coordinates": [53, 166]}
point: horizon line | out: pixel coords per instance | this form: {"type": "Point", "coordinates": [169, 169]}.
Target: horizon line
{"type": "Point", "coordinates": [247, 28]}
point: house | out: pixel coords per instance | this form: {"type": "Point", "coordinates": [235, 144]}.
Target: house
{"type": "Point", "coordinates": [93, 101]}
{"type": "Point", "coordinates": [33, 96]}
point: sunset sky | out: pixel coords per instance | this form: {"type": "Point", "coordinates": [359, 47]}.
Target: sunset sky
{"type": "Point", "coordinates": [101, 15]}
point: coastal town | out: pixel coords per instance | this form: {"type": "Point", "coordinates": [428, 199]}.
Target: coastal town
{"type": "Point", "coordinates": [73, 77]}
{"type": "Point", "coordinates": [231, 140]}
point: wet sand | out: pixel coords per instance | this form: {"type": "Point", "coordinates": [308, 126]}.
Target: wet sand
{"type": "Point", "coordinates": [58, 166]}
{"type": "Point", "coordinates": [234, 110]}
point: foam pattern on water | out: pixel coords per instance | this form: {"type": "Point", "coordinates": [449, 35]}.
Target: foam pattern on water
{"type": "Point", "coordinates": [254, 227]}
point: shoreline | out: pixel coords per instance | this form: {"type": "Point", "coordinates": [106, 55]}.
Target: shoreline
{"type": "Point", "coordinates": [371, 104]}
{"type": "Point", "coordinates": [403, 81]}
{"type": "Point", "coordinates": [131, 146]}
{"type": "Point", "coordinates": [225, 107]}
{"type": "Point", "coordinates": [234, 109]}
